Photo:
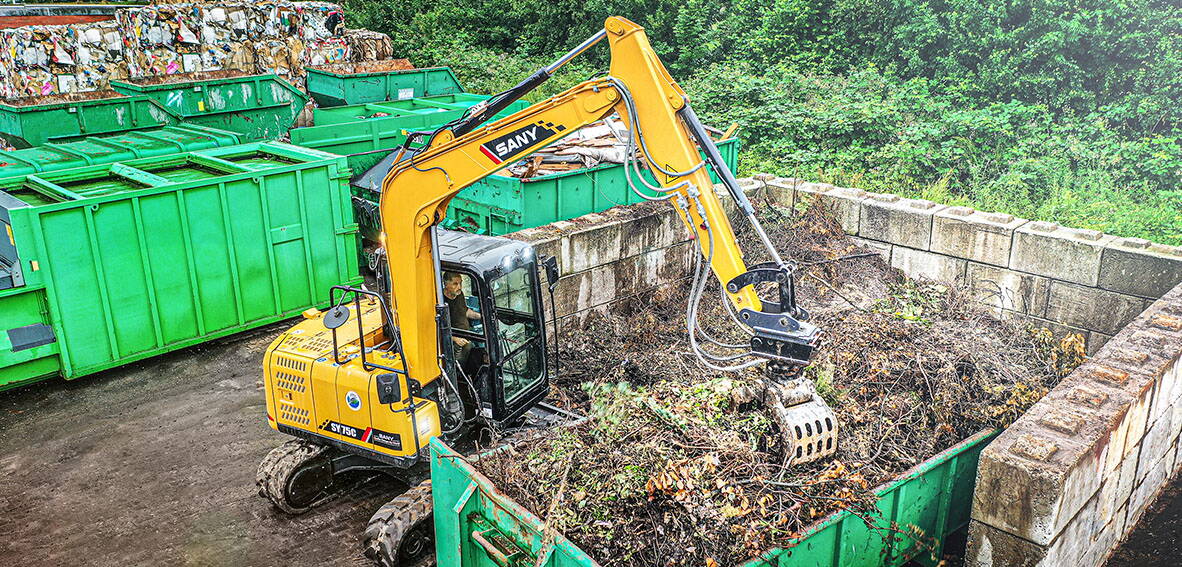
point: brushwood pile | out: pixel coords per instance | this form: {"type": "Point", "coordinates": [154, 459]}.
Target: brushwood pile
{"type": "Point", "coordinates": [681, 465]}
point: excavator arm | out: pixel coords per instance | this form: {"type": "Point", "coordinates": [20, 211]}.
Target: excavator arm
{"type": "Point", "coordinates": [416, 192]}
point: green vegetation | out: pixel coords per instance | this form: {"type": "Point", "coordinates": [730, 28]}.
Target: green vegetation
{"type": "Point", "coordinates": [1056, 110]}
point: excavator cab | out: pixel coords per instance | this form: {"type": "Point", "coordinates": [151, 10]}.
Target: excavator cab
{"type": "Point", "coordinates": [506, 360]}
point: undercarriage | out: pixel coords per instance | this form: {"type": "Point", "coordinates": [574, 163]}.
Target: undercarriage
{"type": "Point", "coordinates": [306, 472]}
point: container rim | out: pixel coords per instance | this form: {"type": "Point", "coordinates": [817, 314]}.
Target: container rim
{"type": "Point", "coordinates": [320, 70]}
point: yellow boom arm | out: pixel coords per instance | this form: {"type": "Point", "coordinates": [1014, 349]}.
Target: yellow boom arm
{"type": "Point", "coordinates": [416, 191]}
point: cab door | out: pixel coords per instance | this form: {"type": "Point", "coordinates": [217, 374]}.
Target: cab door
{"type": "Point", "coordinates": [517, 341]}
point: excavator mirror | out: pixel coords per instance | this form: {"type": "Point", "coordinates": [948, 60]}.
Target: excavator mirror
{"type": "Point", "coordinates": [550, 263]}
{"type": "Point", "coordinates": [389, 389]}
{"type": "Point", "coordinates": [336, 316]}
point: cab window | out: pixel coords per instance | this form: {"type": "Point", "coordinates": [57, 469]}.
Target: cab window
{"type": "Point", "coordinates": [518, 333]}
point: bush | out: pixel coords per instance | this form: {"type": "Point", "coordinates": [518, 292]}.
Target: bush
{"type": "Point", "coordinates": [1055, 110]}
{"type": "Point", "coordinates": [875, 131]}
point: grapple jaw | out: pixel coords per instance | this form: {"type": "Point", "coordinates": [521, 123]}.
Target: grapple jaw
{"type": "Point", "coordinates": [807, 423]}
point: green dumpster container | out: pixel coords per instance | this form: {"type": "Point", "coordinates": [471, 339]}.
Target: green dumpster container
{"type": "Point", "coordinates": [471, 515]}
{"type": "Point", "coordinates": [118, 262]}
{"type": "Point", "coordinates": [113, 147]}
{"type": "Point", "coordinates": [258, 107]}
{"type": "Point", "coordinates": [374, 81]}
{"type": "Point", "coordinates": [500, 204]}
{"type": "Point", "coordinates": [369, 132]}
{"type": "Point", "coordinates": [32, 121]}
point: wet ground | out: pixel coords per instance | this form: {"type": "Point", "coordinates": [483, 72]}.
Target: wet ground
{"type": "Point", "coordinates": [154, 464]}
{"type": "Point", "coordinates": [1157, 539]}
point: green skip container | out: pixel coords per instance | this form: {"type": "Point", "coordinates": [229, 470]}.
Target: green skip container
{"type": "Point", "coordinates": [33, 121]}
{"type": "Point", "coordinates": [500, 204]}
{"type": "Point", "coordinates": [342, 84]}
{"type": "Point", "coordinates": [477, 525]}
{"type": "Point", "coordinates": [257, 107]}
{"type": "Point", "coordinates": [108, 264]}
{"type": "Point", "coordinates": [366, 133]}
{"type": "Point", "coordinates": [97, 150]}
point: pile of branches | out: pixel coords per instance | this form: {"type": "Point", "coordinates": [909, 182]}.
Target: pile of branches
{"type": "Point", "coordinates": [679, 465]}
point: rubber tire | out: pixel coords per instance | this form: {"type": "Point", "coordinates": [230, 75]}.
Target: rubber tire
{"type": "Point", "coordinates": [408, 514]}
{"type": "Point", "coordinates": [277, 468]}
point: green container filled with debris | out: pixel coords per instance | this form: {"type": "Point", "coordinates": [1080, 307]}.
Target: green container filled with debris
{"type": "Point", "coordinates": [342, 84]}
{"type": "Point", "coordinates": [257, 107]}
{"type": "Point", "coordinates": [36, 120]}
{"type": "Point", "coordinates": [367, 133]}
{"type": "Point", "coordinates": [108, 264]}
{"type": "Point", "coordinates": [112, 148]}
{"type": "Point", "coordinates": [500, 204]}
{"type": "Point", "coordinates": [478, 525]}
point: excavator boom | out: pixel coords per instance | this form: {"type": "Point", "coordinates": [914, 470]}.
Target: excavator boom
{"type": "Point", "coordinates": [363, 387]}
{"type": "Point", "coordinates": [416, 192]}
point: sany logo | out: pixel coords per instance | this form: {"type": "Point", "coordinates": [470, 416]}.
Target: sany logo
{"type": "Point", "coordinates": [506, 147]}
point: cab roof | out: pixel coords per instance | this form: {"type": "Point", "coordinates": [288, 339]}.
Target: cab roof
{"type": "Point", "coordinates": [483, 254]}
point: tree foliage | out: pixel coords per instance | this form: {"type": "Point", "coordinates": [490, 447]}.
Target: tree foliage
{"type": "Point", "coordinates": [1069, 110]}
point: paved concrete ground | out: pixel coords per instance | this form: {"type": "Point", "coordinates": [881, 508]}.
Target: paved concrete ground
{"type": "Point", "coordinates": [154, 464]}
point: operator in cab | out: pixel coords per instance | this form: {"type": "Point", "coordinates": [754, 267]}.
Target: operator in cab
{"type": "Point", "coordinates": [460, 314]}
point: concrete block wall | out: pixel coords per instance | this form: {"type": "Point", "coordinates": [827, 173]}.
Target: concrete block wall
{"type": "Point", "coordinates": [1069, 280]}
{"type": "Point", "coordinates": [1068, 480]}
{"type": "Point", "coordinates": [615, 257]}
{"type": "Point", "coordinates": [607, 259]}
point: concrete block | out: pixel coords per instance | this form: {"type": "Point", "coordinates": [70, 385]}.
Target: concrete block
{"type": "Point", "coordinates": [979, 236]}
{"type": "Point", "coordinates": [781, 191]}
{"type": "Point", "coordinates": [1047, 249]}
{"type": "Point", "coordinates": [751, 185]}
{"type": "Point", "coordinates": [661, 229]}
{"type": "Point", "coordinates": [600, 285]}
{"type": "Point", "coordinates": [1073, 545]}
{"type": "Point", "coordinates": [1117, 488]}
{"type": "Point", "coordinates": [1059, 330]}
{"type": "Point", "coordinates": [1177, 456]}
{"type": "Point", "coordinates": [1091, 308]}
{"type": "Point", "coordinates": [883, 248]}
{"type": "Point", "coordinates": [905, 222]}
{"type": "Point", "coordinates": [991, 547]}
{"type": "Point", "coordinates": [1146, 492]}
{"type": "Point", "coordinates": [1165, 395]}
{"type": "Point", "coordinates": [1156, 446]}
{"type": "Point", "coordinates": [845, 204]}
{"type": "Point", "coordinates": [808, 193]}
{"type": "Point", "coordinates": [592, 240]}
{"type": "Point", "coordinates": [1172, 457]}
{"type": "Point", "coordinates": [1105, 540]}
{"type": "Point", "coordinates": [1008, 289]}
{"type": "Point", "coordinates": [1096, 341]}
{"type": "Point", "coordinates": [926, 265]}
{"type": "Point", "coordinates": [1140, 267]}
{"type": "Point", "coordinates": [1136, 395]}
{"type": "Point", "coordinates": [1031, 481]}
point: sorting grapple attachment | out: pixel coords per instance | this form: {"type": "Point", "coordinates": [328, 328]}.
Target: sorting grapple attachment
{"type": "Point", "coordinates": [807, 423]}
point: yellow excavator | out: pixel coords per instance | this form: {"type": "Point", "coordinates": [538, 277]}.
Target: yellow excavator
{"type": "Point", "coordinates": [365, 384]}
